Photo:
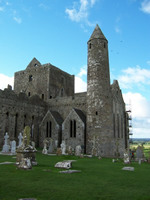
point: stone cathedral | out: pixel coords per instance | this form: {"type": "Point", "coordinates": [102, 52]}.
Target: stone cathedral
{"type": "Point", "coordinates": [44, 99]}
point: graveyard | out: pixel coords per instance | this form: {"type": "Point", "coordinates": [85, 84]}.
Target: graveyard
{"type": "Point", "coordinates": [86, 177]}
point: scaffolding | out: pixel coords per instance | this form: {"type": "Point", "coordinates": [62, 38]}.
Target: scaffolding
{"type": "Point", "coordinates": [129, 114]}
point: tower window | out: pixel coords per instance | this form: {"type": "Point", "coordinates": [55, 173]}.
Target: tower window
{"type": "Point", "coordinates": [96, 113]}
{"type": "Point", "coordinates": [30, 78]}
{"type": "Point", "coordinates": [29, 94]}
{"type": "Point", "coordinates": [104, 45]}
{"type": "Point", "coordinates": [90, 46]}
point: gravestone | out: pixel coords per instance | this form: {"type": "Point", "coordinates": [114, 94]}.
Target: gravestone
{"type": "Point", "coordinates": [66, 164]}
{"type": "Point", "coordinates": [126, 157]}
{"type": "Point", "coordinates": [20, 137]}
{"type": "Point", "coordinates": [13, 147]}
{"type": "Point", "coordinates": [6, 146]}
{"type": "Point", "coordinates": [78, 150]}
{"type": "Point", "coordinates": [44, 151]}
{"type": "Point", "coordinates": [51, 146]}
{"type": "Point", "coordinates": [58, 152]}
{"type": "Point", "coordinates": [63, 148]}
{"type": "Point", "coordinates": [139, 153]}
{"type": "Point", "coordinates": [26, 152]}
{"type": "Point", "coordinates": [70, 150]}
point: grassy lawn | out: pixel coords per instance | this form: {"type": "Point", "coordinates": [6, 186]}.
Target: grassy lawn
{"type": "Point", "coordinates": [99, 179]}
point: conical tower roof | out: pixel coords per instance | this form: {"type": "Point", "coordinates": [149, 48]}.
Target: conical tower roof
{"type": "Point", "coordinates": [97, 34]}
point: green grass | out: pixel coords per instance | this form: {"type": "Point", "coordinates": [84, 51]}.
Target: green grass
{"type": "Point", "coordinates": [99, 180]}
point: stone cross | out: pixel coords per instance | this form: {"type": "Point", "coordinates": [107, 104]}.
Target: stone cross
{"type": "Point", "coordinates": [6, 139]}
{"type": "Point", "coordinates": [26, 136]}
{"type": "Point", "coordinates": [6, 147]}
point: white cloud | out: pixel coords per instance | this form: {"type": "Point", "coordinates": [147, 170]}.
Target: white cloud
{"type": "Point", "coordinates": [140, 108]}
{"type": "Point", "coordinates": [83, 71]}
{"type": "Point", "coordinates": [18, 20]}
{"type": "Point", "coordinates": [139, 104]}
{"type": "Point", "coordinates": [80, 85]}
{"type": "Point", "coordinates": [145, 6]}
{"type": "Point", "coordinates": [80, 11]}
{"type": "Point", "coordinates": [135, 75]}
{"type": "Point", "coordinates": [5, 80]}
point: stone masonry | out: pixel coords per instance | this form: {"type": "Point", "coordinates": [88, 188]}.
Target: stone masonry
{"type": "Point", "coordinates": [44, 99]}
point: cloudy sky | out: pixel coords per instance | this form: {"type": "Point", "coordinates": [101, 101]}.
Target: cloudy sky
{"type": "Point", "coordinates": [57, 31]}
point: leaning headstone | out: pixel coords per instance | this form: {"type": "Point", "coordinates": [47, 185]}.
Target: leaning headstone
{"type": "Point", "coordinates": [63, 148]}
{"type": "Point", "coordinates": [78, 150]}
{"type": "Point", "coordinates": [13, 147]}
{"type": "Point", "coordinates": [6, 146]}
{"type": "Point", "coordinates": [139, 153]}
{"type": "Point", "coordinates": [20, 137]}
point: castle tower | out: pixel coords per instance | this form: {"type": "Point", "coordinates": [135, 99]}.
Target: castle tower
{"type": "Point", "coordinates": [99, 99]}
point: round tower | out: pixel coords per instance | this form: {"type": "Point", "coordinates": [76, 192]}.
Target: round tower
{"type": "Point", "coordinates": [99, 99]}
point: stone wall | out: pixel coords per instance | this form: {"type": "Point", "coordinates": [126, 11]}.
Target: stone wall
{"type": "Point", "coordinates": [17, 111]}
{"type": "Point", "coordinates": [47, 81]}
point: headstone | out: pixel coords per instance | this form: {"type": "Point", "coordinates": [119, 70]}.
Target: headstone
{"type": "Point", "coordinates": [33, 144]}
{"type": "Point", "coordinates": [63, 148]}
{"type": "Point", "coordinates": [70, 151]}
{"type": "Point", "coordinates": [20, 137]}
{"type": "Point", "coordinates": [58, 152]}
{"type": "Point", "coordinates": [139, 153]}
{"type": "Point", "coordinates": [51, 146]}
{"type": "Point", "coordinates": [67, 164]}
{"type": "Point", "coordinates": [128, 168]}
{"type": "Point", "coordinates": [126, 157]}
{"type": "Point", "coordinates": [70, 171]}
{"type": "Point", "coordinates": [44, 151]}
{"type": "Point", "coordinates": [78, 150]}
{"type": "Point", "coordinates": [6, 146]}
{"type": "Point", "coordinates": [13, 147]}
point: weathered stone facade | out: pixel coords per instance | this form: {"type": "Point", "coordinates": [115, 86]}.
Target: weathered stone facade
{"type": "Point", "coordinates": [44, 99]}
